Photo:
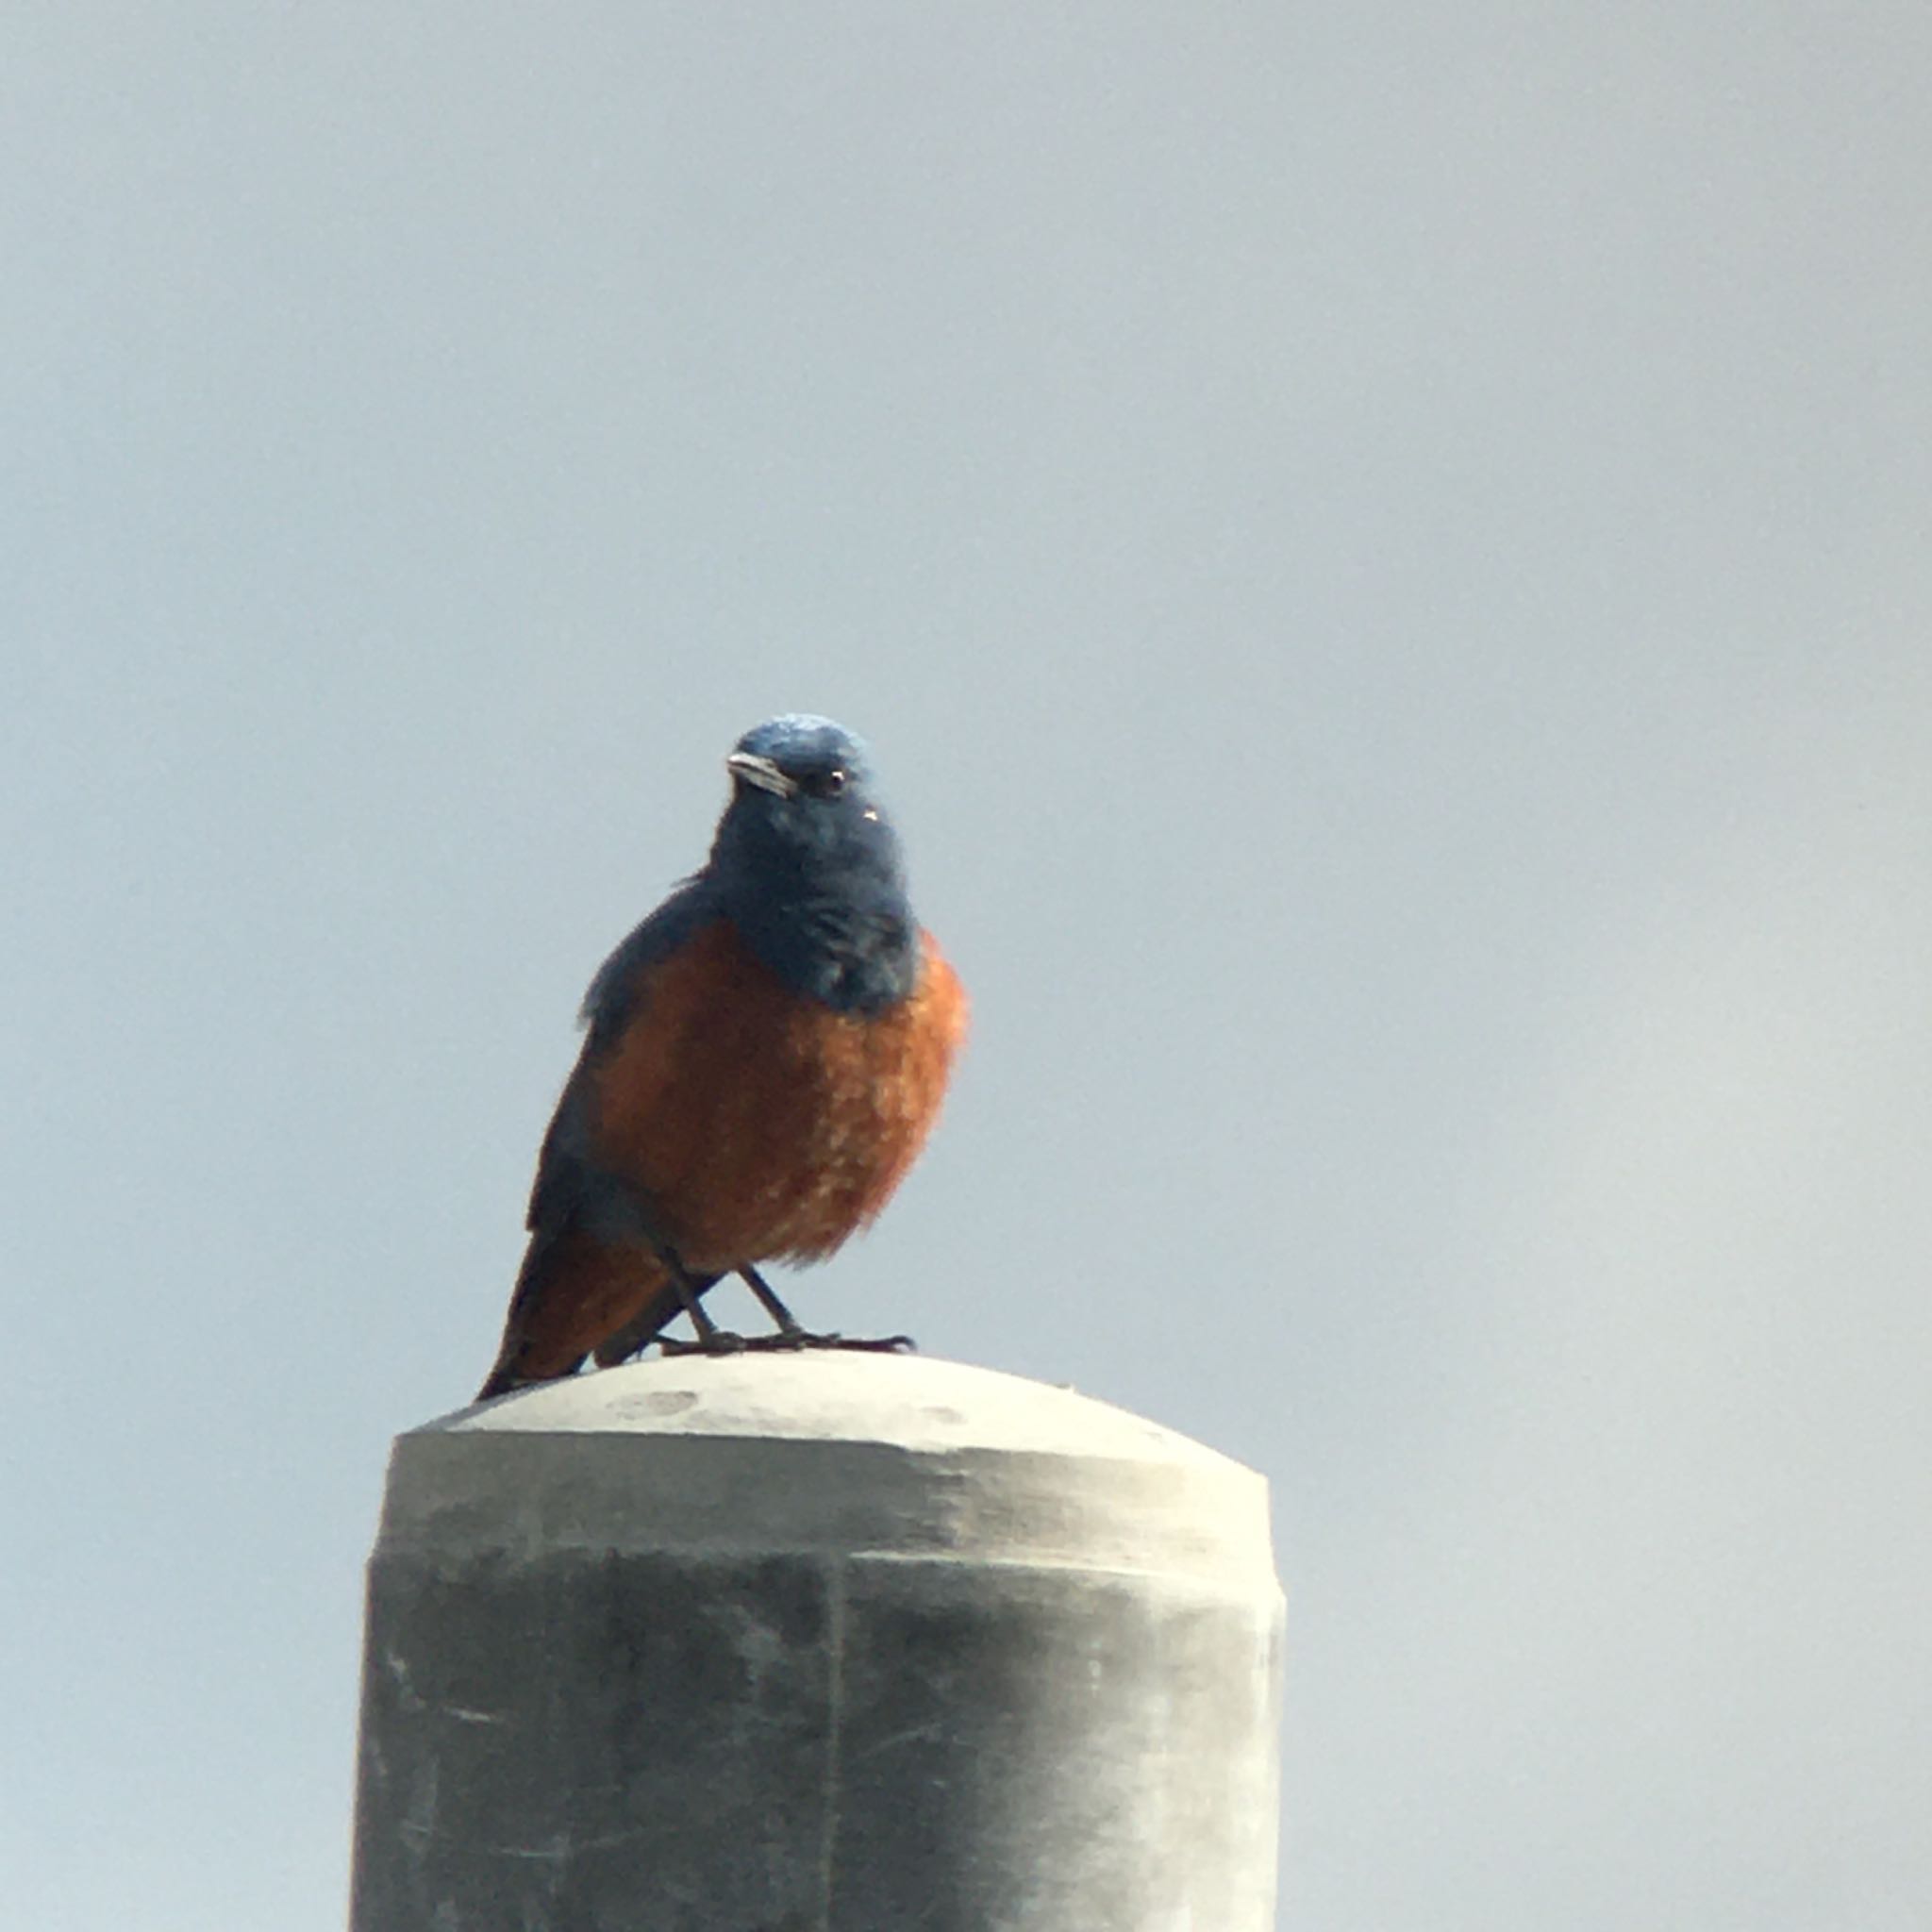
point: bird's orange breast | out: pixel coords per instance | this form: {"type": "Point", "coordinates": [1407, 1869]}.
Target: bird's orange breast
{"type": "Point", "coordinates": [760, 1124]}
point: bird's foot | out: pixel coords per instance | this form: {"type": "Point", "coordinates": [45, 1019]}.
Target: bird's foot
{"type": "Point", "coordinates": [787, 1342]}
{"type": "Point", "coordinates": [714, 1341]}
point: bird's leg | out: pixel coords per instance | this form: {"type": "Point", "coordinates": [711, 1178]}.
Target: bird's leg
{"type": "Point", "coordinates": [712, 1339]}
{"type": "Point", "coordinates": [792, 1335]}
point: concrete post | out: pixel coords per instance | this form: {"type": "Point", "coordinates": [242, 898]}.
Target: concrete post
{"type": "Point", "coordinates": [827, 1642]}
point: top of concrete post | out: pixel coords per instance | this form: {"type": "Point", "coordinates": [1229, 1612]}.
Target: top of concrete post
{"type": "Point", "coordinates": [836, 1395]}
{"type": "Point", "coordinates": [825, 1450]}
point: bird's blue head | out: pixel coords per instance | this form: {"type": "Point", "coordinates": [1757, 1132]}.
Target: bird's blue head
{"type": "Point", "coordinates": [807, 865]}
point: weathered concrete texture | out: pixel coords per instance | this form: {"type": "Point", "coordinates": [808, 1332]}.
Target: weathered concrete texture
{"type": "Point", "coordinates": [818, 1644]}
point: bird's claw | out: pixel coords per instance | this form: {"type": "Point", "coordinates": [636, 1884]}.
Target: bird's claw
{"type": "Point", "coordinates": [871, 1344]}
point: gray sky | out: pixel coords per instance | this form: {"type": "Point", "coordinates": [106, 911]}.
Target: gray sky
{"type": "Point", "coordinates": [1384, 555]}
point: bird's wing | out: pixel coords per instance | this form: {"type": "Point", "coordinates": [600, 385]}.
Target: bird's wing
{"type": "Point", "coordinates": [609, 1005]}
{"type": "Point", "coordinates": [569, 1271]}
{"type": "Point", "coordinates": [613, 991]}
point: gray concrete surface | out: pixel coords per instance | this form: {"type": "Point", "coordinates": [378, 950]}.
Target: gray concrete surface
{"type": "Point", "coordinates": [818, 1644]}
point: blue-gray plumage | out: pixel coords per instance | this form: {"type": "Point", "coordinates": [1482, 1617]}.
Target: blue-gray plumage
{"type": "Point", "coordinates": [804, 864]}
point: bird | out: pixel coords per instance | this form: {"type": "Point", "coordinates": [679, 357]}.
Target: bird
{"type": "Point", "coordinates": [764, 1057]}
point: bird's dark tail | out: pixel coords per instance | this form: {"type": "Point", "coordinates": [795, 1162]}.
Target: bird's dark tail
{"type": "Point", "coordinates": [575, 1294]}
{"type": "Point", "coordinates": [663, 1307]}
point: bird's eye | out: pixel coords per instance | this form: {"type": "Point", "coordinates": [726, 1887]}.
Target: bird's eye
{"type": "Point", "coordinates": [829, 784]}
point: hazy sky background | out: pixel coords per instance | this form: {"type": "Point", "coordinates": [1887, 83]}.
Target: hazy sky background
{"type": "Point", "coordinates": [1386, 555]}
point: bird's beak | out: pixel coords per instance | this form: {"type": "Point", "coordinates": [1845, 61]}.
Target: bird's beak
{"type": "Point", "coordinates": [761, 773]}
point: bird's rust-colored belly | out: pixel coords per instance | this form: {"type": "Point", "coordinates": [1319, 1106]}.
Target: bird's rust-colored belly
{"type": "Point", "coordinates": [762, 1125]}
